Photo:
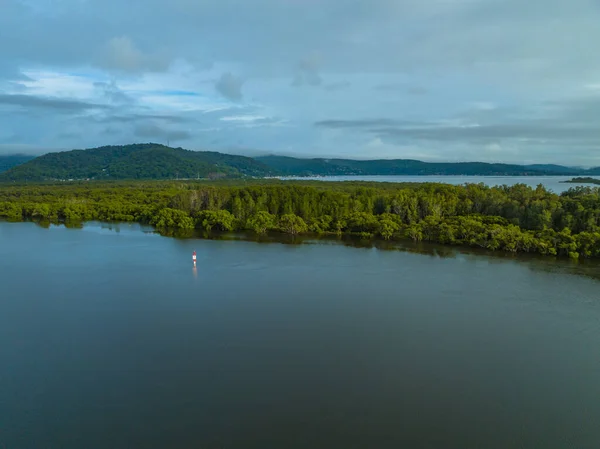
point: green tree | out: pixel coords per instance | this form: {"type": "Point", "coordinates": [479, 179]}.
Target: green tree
{"type": "Point", "coordinates": [172, 218]}
{"type": "Point", "coordinates": [292, 224]}
{"type": "Point", "coordinates": [261, 222]}
{"type": "Point", "coordinates": [221, 220]}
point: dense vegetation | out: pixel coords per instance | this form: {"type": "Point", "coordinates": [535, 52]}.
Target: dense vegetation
{"type": "Point", "coordinates": [330, 167]}
{"type": "Point", "coordinates": [139, 161]}
{"type": "Point", "coordinates": [10, 161]}
{"type": "Point", "coordinates": [586, 180]}
{"type": "Point", "coordinates": [154, 161]}
{"type": "Point", "coordinates": [514, 219]}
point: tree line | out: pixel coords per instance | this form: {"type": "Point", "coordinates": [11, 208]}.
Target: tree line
{"type": "Point", "coordinates": [508, 218]}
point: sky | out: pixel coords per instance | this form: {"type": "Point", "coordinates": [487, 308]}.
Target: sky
{"type": "Point", "coordinates": [436, 80]}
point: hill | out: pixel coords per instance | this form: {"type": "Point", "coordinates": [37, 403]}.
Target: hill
{"type": "Point", "coordinates": [138, 161]}
{"type": "Point", "coordinates": [334, 167]}
{"type": "Point", "coordinates": [154, 161]}
{"type": "Point", "coordinates": [12, 160]}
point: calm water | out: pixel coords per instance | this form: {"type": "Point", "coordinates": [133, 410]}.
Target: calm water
{"type": "Point", "coordinates": [112, 340]}
{"type": "Point", "coordinates": [553, 183]}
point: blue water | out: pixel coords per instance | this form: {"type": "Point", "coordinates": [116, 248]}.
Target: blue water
{"type": "Point", "coordinates": [553, 183]}
{"type": "Point", "coordinates": [109, 338]}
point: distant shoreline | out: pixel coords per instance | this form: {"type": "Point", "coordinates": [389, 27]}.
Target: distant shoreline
{"type": "Point", "coordinates": [584, 180]}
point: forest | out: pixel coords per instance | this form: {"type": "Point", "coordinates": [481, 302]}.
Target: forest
{"type": "Point", "coordinates": [136, 161]}
{"type": "Point", "coordinates": [508, 218]}
{"type": "Point", "coordinates": [144, 161]}
{"type": "Point", "coordinates": [291, 166]}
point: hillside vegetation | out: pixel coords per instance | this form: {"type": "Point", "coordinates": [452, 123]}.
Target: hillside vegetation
{"type": "Point", "coordinates": [154, 161]}
{"type": "Point", "coordinates": [138, 161]}
{"type": "Point", "coordinates": [12, 160]}
{"type": "Point", "coordinates": [331, 167]}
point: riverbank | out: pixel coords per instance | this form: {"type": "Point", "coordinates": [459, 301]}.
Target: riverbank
{"type": "Point", "coordinates": [510, 219]}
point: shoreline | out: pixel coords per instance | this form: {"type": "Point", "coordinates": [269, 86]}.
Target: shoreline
{"type": "Point", "coordinates": [512, 219]}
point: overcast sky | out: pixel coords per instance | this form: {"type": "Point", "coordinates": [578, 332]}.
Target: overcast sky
{"type": "Point", "coordinates": [436, 80]}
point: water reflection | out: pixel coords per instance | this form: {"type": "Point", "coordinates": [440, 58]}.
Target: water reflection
{"type": "Point", "coordinates": [582, 267]}
{"type": "Point", "coordinates": [313, 345]}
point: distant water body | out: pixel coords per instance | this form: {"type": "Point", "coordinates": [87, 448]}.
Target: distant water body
{"type": "Point", "coordinates": [110, 339]}
{"type": "Point", "coordinates": [553, 183]}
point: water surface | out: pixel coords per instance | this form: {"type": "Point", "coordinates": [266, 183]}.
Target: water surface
{"type": "Point", "coordinates": [110, 339]}
{"type": "Point", "coordinates": [554, 183]}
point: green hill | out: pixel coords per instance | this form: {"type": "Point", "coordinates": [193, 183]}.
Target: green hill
{"type": "Point", "coordinates": [138, 161]}
{"type": "Point", "coordinates": [154, 161]}
{"type": "Point", "coordinates": [334, 167]}
{"type": "Point", "coordinates": [12, 160]}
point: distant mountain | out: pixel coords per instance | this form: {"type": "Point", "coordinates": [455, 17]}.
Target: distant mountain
{"type": "Point", "coordinates": [138, 161]}
{"type": "Point", "coordinates": [154, 161]}
{"type": "Point", "coordinates": [593, 171]}
{"type": "Point", "coordinates": [552, 168]}
{"type": "Point", "coordinates": [12, 160]}
{"type": "Point", "coordinates": [334, 167]}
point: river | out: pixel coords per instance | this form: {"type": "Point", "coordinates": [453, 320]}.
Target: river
{"type": "Point", "coordinates": [554, 183]}
{"type": "Point", "coordinates": [109, 338]}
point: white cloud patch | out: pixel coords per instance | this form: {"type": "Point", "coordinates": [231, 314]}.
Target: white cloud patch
{"type": "Point", "coordinates": [242, 118]}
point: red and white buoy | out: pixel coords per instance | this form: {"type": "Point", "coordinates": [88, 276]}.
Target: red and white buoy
{"type": "Point", "coordinates": [194, 257]}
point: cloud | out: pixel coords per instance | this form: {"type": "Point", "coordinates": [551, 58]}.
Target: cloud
{"type": "Point", "coordinates": [417, 90]}
{"type": "Point", "coordinates": [341, 85]}
{"type": "Point", "coordinates": [567, 124]}
{"type": "Point", "coordinates": [153, 131]}
{"type": "Point", "coordinates": [137, 117]}
{"type": "Point", "coordinates": [112, 93]}
{"type": "Point", "coordinates": [121, 54]}
{"type": "Point", "coordinates": [307, 71]}
{"type": "Point", "coordinates": [389, 87]}
{"type": "Point", "coordinates": [230, 86]}
{"type": "Point", "coordinates": [412, 70]}
{"type": "Point", "coordinates": [49, 103]}
{"type": "Point", "coordinates": [358, 124]}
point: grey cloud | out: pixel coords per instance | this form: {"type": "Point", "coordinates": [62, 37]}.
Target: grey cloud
{"type": "Point", "coordinates": [112, 92]}
{"type": "Point", "coordinates": [121, 54]}
{"type": "Point", "coordinates": [153, 131]}
{"type": "Point", "coordinates": [337, 86]}
{"type": "Point", "coordinates": [517, 52]}
{"type": "Point", "coordinates": [111, 131]}
{"type": "Point", "coordinates": [399, 87]}
{"type": "Point", "coordinates": [376, 36]}
{"type": "Point", "coordinates": [417, 90]}
{"type": "Point", "coordinates": [137, 117]}
{"type": "Point", "coordinates": [19, 148]}
{"type": "Point", "coordinates": [572, 123]}
{"type": "Point", "coordinates": [535, 131]}
{"type": "Point", "coordinates": [230, 86]}
{"type": "Point", "coordinates": [69, 136]}
{"type": "Point", "coordinates": [389, 87]}
{"type": "Point", "coordinates": [358, 124]}
{"type": "Point", "coordinates": [57, 104]}
{"type": "Point", "coordinates": [307, 72]}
